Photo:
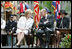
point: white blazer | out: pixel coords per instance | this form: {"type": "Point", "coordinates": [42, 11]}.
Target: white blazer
{"type": "Point", "coordinates": [24, 24]}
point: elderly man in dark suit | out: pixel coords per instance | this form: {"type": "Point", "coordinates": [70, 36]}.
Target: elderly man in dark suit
{"type": "Point", "coordinates": [45, 26]}
{"type": "Point", "coordinates": [50, 26]}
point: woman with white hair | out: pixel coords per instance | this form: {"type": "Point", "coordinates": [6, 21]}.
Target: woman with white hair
{"type": "Point", "coordinates": [24, 25]}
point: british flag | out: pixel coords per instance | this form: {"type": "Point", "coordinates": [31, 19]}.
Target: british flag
{"type": "Point", "coordinates": [56, 6]}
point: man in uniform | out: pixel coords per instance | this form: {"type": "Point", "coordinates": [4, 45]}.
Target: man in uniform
{"type": "Point", "coordinates": [10, 28]}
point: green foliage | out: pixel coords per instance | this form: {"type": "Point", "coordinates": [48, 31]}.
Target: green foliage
{"type": "Point", "coordinates": [66, 42]}
{"type": "Point", "coordinates": [47, 4]}
{"type": "Point", "coordinates": [40, 7]}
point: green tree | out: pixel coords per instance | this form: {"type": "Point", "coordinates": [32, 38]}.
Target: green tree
{"type": "Point", "coordinates": [47, 4]}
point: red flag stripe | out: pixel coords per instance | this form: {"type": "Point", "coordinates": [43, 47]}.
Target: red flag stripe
{"type": "Point", "coordinates": [36, 10]}
{"type": "Point", "coordinates": [36, 6]}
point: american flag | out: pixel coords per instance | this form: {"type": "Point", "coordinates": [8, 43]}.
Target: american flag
{"type": "Point", "coordinates": [56, 6]}
{"type": "Point", "coordinates": [22, 8]}
{"type": "Point", "coordinates": [26, 6]}
{"type": "Point", "coordinates": [37, 15]}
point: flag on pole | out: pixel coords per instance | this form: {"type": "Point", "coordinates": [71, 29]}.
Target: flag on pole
{"type": "Point", "coordinates": [26, 6]}
{"type": "Point", "coordinates": [37, 15]}
{"type": "Point", "coordinates": [56, 6]}
{"type": "Point", "coordinates": [23, 7]}
{"type": "Point", "coordinates": [58, 16]}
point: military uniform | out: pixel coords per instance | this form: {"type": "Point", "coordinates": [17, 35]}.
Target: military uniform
{"type": "Point", "coordinates": [11, 26]}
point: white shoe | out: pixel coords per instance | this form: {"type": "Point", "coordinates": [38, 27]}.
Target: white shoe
{"type": "Point", "coordinates": [46, 47]}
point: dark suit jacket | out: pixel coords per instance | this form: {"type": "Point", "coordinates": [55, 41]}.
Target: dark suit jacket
{"type": "Point", "coordinates": [10, 25]}
{"type": "Point", "coordinates": [64, 24]}
{"type": "Point", "coordinates": [47, 25]}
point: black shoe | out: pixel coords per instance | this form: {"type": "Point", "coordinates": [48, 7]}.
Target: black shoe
{"type": "Point", "coordinates": [18, 46]}
{"type": "Point", "coordinates": [37, 47]}
{"type": "Point", "coordinates": [14, 44]}
{"type": "Point", "coordinates": [42, 46]}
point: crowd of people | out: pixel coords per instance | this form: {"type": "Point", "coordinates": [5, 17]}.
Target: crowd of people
{"type": "Point", "coordinates": [25, 23]}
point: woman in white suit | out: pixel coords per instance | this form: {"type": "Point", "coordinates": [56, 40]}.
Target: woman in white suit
{"type": "Point", "coordinates": [24, 24]}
